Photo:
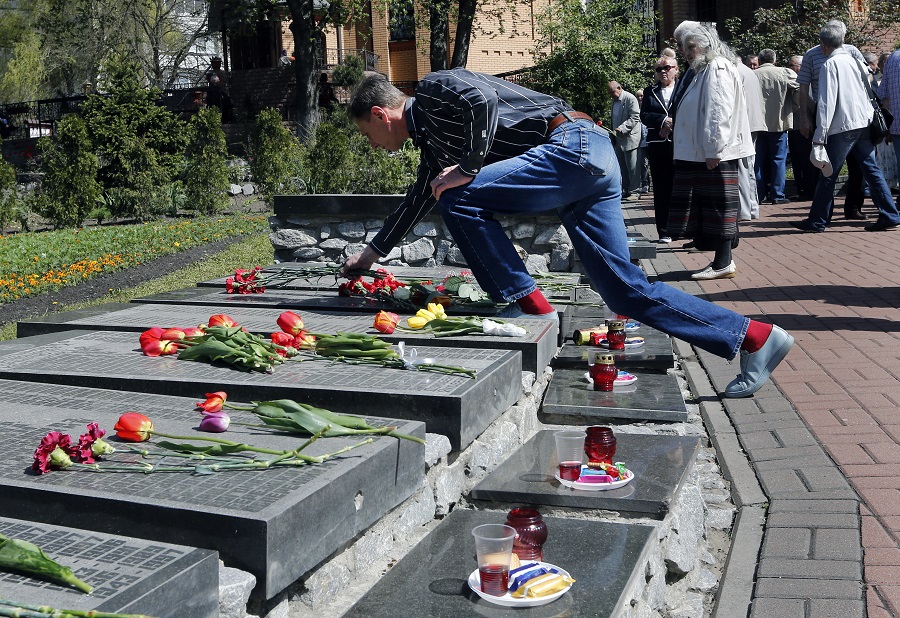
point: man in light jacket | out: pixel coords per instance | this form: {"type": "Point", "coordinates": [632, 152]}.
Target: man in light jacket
{"type": "Point", "coordinates": [843, 115]}
{"type": "Point", "coordinates": [626, 122]}
{"type": "Point", "coordinates": [779, 86]}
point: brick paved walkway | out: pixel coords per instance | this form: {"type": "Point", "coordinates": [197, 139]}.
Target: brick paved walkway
{"type": "Point", "coordinates": [838, 293]}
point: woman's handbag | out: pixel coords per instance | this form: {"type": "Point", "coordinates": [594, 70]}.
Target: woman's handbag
{"type": "Point", "coordinates": [879, 128]}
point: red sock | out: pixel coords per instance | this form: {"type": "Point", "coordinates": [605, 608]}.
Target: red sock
{"type": "Point", "coordinates": [756, 336]}
{"type": "Point", "coordinates": [534, 303]}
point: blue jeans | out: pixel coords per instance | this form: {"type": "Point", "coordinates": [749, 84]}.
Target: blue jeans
{"type": "Point", "coordinates": [576, 173]}
{"type": "Point", "coordinates": [838, 147]}
{"type": "Point", "coordinates": [771, 164]}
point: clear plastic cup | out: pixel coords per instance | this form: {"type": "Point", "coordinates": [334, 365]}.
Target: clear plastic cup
{"type": "Point", "coordinates": [493, 547]}
{"type": "Point", "coordinates": [569, 452]}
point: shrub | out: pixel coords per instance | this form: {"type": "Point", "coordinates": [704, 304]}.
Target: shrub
{"type": "Point", "coordinates": [348, 71]}
{"type": "Point", "coordinates": [205, 175]}
{"type": "Point", "coordinates": [138, 143]}
{"type": "Point", "coordinates": [275, 156]}
{"type": "Point", "coordinates": [329, 160]}
{"type": "Point", "coordinates": [70, 190]}
{"type": "Point", "coordinates": [8, 195]}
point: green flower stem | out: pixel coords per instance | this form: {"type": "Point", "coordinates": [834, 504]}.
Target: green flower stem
{"type": "Point", "coordinates": [234, 406]}
{"type": "Point", "coordinates": [197, 456]}
{"type": "Point", "coordinates": [21, 610]}
{"type": "Point", "coordinates": [246, 447]}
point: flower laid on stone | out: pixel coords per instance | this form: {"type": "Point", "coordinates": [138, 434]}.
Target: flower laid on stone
{"type": "Point", "coordinates": [435, 311]}
{"type": "Point", "coordinates": [386, 322]}
{"type": "Point", "coordinates": [214, 402]}
{"type": "Point", "coordinates": [214, 422]}
{"type": "Point", "coordinates": [245, 281]}
{"type": "Point", "coordinates": [436, 321]}
{"type": "Point", "coordinates": [24, 558]}
{"type": "Point", "coordinates": [58, 451]}
{"type": "Point", "coordinates": [24, 610]}
{"type": "Point", "coordinates": [133, 427]}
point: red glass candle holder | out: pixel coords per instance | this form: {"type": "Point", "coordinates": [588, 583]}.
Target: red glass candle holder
{"type": "Point", "coordinates": [600, 445]}
{"type": "Point", "coordinates": [603, 372]}
{"type": "Point", "coordinates": [615, 337]}
{"type": "Point", "coordinates": [531, 533]}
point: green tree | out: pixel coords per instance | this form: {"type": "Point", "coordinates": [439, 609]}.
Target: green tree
{"type": "Point", "coordinates": [205, 174]}
{"type": "Point", "coordinates": [576, 63]}
{"type": "Point", "coordinates": [139, 143]}
{"type": "Point", "coordinates": [275, 155]}
{"type": "Point", "coordinates": [70, 190]}
{"type": "Point", "coordinates": [8, 196]}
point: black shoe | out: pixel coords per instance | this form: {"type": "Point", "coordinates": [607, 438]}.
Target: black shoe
{"type": "Point", "coordinates": [881, 226]}
{"type": "Point", "coordinates": [804, 226]}
{"type": "Point", "coordinates": [781, 200]}
{"type": "Point", "coordinates": [855, 215]}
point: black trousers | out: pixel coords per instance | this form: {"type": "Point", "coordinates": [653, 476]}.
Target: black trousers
{"type": "Point", "coordinates": [806, 176]}
{"type": "Point", "coordinates": [660, 157]}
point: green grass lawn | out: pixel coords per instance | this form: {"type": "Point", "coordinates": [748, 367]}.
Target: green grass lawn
{"type": "Point", "coordinates": [35, 262]}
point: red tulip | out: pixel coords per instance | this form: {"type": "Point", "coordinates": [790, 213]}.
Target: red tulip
{"type": "Point", "coordinates": [290, 322]}
{"type": "Point", "coordinates": [304, 341]}
{"type": "Point", "coordinates": [386, 322]}
{"type": "Point", "coordinates": [134, 427]}
{"type": "Point", "coordinates": [158, 347]}
{"type": "Point", "coordinates": [214, 402]}
{"type": "Point", "coordinates": [151, 334]}
{"type": "Point", "coordinates": [172, 334]}
{"type": "Point", "coordinates": [193, 331]}
{"type": "Point", "coordinates": [220, 319]}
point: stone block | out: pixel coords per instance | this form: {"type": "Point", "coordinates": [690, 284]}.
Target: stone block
{"type": "Point", "coordinates": [425, 228]}
{"type": "Point", "coordinates": [537, 346]}
{"type": "Point", "coordinates": [661, 465]}
{"type": "Point", "coordinates": [334, 243]}
{"type": "Point", "coordinates": [456, 406]}
{"type": "Point", "coordinates": [523, 230]}
{"type": "Point", "coordinates": [419, 250]}
{"type": "Point", "coordinates": [681, 547]}
{"type": "Point", "coordinates": [235, 587]}
{"type": "Point", "coordinates": [455, 256]}
{"type": "Point", "coordinates": [561, 258]}
{"type": "Point", "coordinates": [248, 189]}
{"type": "Point", "coordinates": [572, 400]}
{"type": "Point", "coordinates": [351, 229]}
{"type": "Point", "coordinates": [553, 235]}
{"type": "Point", "coordinates": [536, 263]}
{"type": "Point", "coordinates": [603, 557]}
{"type": "Point", "coordinates": [234, 189]}
{"type": "Point", "coordinates": [128, 575]}
{"type": "Point", "coordinates": [275, 524]}
{"type": "Point", "coordinates": [656, 353]}
{"type": "Point", "coordinates": [307, 253]}
{"type": "Point", "coordinates": [287, 238]}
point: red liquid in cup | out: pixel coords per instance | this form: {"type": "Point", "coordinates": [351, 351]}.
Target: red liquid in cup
{"type": "Point", "coordinates": [494, 579]}
{"type": "Point", "coordinates": [570, 470]}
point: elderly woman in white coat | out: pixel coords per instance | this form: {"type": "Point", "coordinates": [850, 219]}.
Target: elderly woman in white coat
{"type": "Point", "coordinates": [712, 133]}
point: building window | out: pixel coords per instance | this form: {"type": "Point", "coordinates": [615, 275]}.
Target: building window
{"type": "Point", "coordinates": [706, 11]}
{"type": "Point", "coordinates": [403, 22]}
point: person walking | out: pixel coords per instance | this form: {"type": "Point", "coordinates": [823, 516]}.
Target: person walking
{"type": "Point", "coordinates": [626, 124]}
{"type": "Point", "coordinates": [488, 148]}
{"type": "Point", "coordinates": [656, 116]}
{"type": "Point", "coordinates": [889, 91]}
{"type": "Point", "coordinates": [747, 165]}
{"type": "Point", "coordinates": [843, 115]}
{"type": "Point", "coordinates": [712, 135]}
{"type": "Point", "coordinates": [779, 87]}
{"type": "Point", "coordinates": [806, 175]}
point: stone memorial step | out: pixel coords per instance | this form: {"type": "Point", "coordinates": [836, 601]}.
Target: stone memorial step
{"type": "Point", "coordinates": [572, 400]}
{"type": "Point", "coordinates": [656, 352]}
{"type": "Point", "coordinates": [456, 406]}
{"type": "Point", "coordinates": [538, 346]}
{"type": "Point", "coordinates": [128, 575]}
{"type": "Point", "coordinates": [603, 557]}
{"type": "Point", "coordinates": [661, 465]}
{"type": "Point", "coordinates": [276, 524]}
{"type": "Point", "coordinates": [640, 247]}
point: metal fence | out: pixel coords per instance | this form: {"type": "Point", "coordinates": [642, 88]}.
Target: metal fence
{"type": "Point", "coordinates": [30, 119]}
{"type": "Point", "coordinates": [333, 56]}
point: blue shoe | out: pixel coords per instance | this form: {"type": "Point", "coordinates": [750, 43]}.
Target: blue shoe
{"type": "Point", "coordinates": [757, 367]}
{"type": "Point", "coordinates": [512, 310]}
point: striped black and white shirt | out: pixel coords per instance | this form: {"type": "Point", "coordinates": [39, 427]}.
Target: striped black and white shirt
{"type": "Point", "coordinates": [459, 117]}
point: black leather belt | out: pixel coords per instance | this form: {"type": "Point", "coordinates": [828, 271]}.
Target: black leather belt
{"type": "Point", "coordinates": [566, 117]}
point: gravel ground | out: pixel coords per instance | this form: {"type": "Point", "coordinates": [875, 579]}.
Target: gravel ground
{"type": "Point", "coordinates": [97, 287]}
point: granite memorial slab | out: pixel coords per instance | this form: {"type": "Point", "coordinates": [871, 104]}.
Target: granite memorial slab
{"type": "Point", "coordinates": [538, 346]}
{"type": "Point", "coordinates": [128, 575]}
{"type": "Point", "coordinates": [604, 558]}
{"type": "Point", "coordinates": [571, 400]}
{"type": "Point", "coordinates": [276, 524]}
{"type": "Point", "coordinates": [457, 406]}
{"type": "Point", "coordinates": [640, 247]}
{"type": "Point", "coordinates": [661, 465]}
{"type": "Point", "coordinates": [656, 353]}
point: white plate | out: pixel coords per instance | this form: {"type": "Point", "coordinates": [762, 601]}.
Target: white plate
{"type": "Point", "coordinates": [630, 342]}
{"type": "Point", "coordinates": [508, 600]}
{"type": "Point", "coordinates": [624, 379]}
{"type": "Point", "coordinates": [598, 486]}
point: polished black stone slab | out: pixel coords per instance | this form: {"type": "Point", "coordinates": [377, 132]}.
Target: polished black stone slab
{"type": "Point", "coordinates": [128, 575]}
{"type": "Point", "coordinates": [456, 406]}
{"type": "Point", "coordinates": [641, 248]}
{"type": "Point", "coordinates": [538, 346]}
{"type": "Point", "coordinates": [604, 558]}
{"type": "Point", "coordinates": [661, 465]}
{"type": "Point", "coordinates": [277, 524]}
{"type": "Point", "coordinates": [571, 399]}
{"type": "Point", "coordinates": [656, 353]}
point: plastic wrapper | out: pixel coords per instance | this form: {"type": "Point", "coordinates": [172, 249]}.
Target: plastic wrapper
{"type": "Point", "coordinates": [542, 586]}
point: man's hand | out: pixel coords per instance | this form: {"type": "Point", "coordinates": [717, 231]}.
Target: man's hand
{"type": "Point", "coordinates": [450, 177]}
{"type": "Point", "coordinates": [362, 260]}
{"type": "Point", "coordinates": [712, 164]}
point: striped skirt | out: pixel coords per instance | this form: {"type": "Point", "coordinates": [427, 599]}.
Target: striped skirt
{"type": "Point", "coordinates": [705, 203]}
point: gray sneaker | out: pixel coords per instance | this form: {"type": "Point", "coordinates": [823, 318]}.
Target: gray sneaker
{"type": "Point", "coordinates": [512, 310]}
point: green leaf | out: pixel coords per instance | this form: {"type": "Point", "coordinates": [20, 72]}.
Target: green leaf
{"type": "Point", "coordinates": [26, 558]}
{"type": "Point", "coordinates": [215, 449]}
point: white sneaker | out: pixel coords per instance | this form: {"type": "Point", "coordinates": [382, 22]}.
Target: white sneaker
{"type": "Point", "coordinates": [709, 273]}
{"type": "Point", "coordinates": [665, 240]}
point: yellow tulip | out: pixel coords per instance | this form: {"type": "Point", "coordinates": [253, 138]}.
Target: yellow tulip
{"type": "Point", "coordinates": [438, 310]}
{"type": "Point", "coordinates": [425, 314]}
{"type": "Point", "coordinates": [417, 321]}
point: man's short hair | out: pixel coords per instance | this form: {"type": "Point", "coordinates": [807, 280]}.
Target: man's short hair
{"type": "Point", "coordinates": [767, 56]}
{"type": "Point", "coordinates": [832, 35]}
{"type": "Point", "coordinates": [374, 89]}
